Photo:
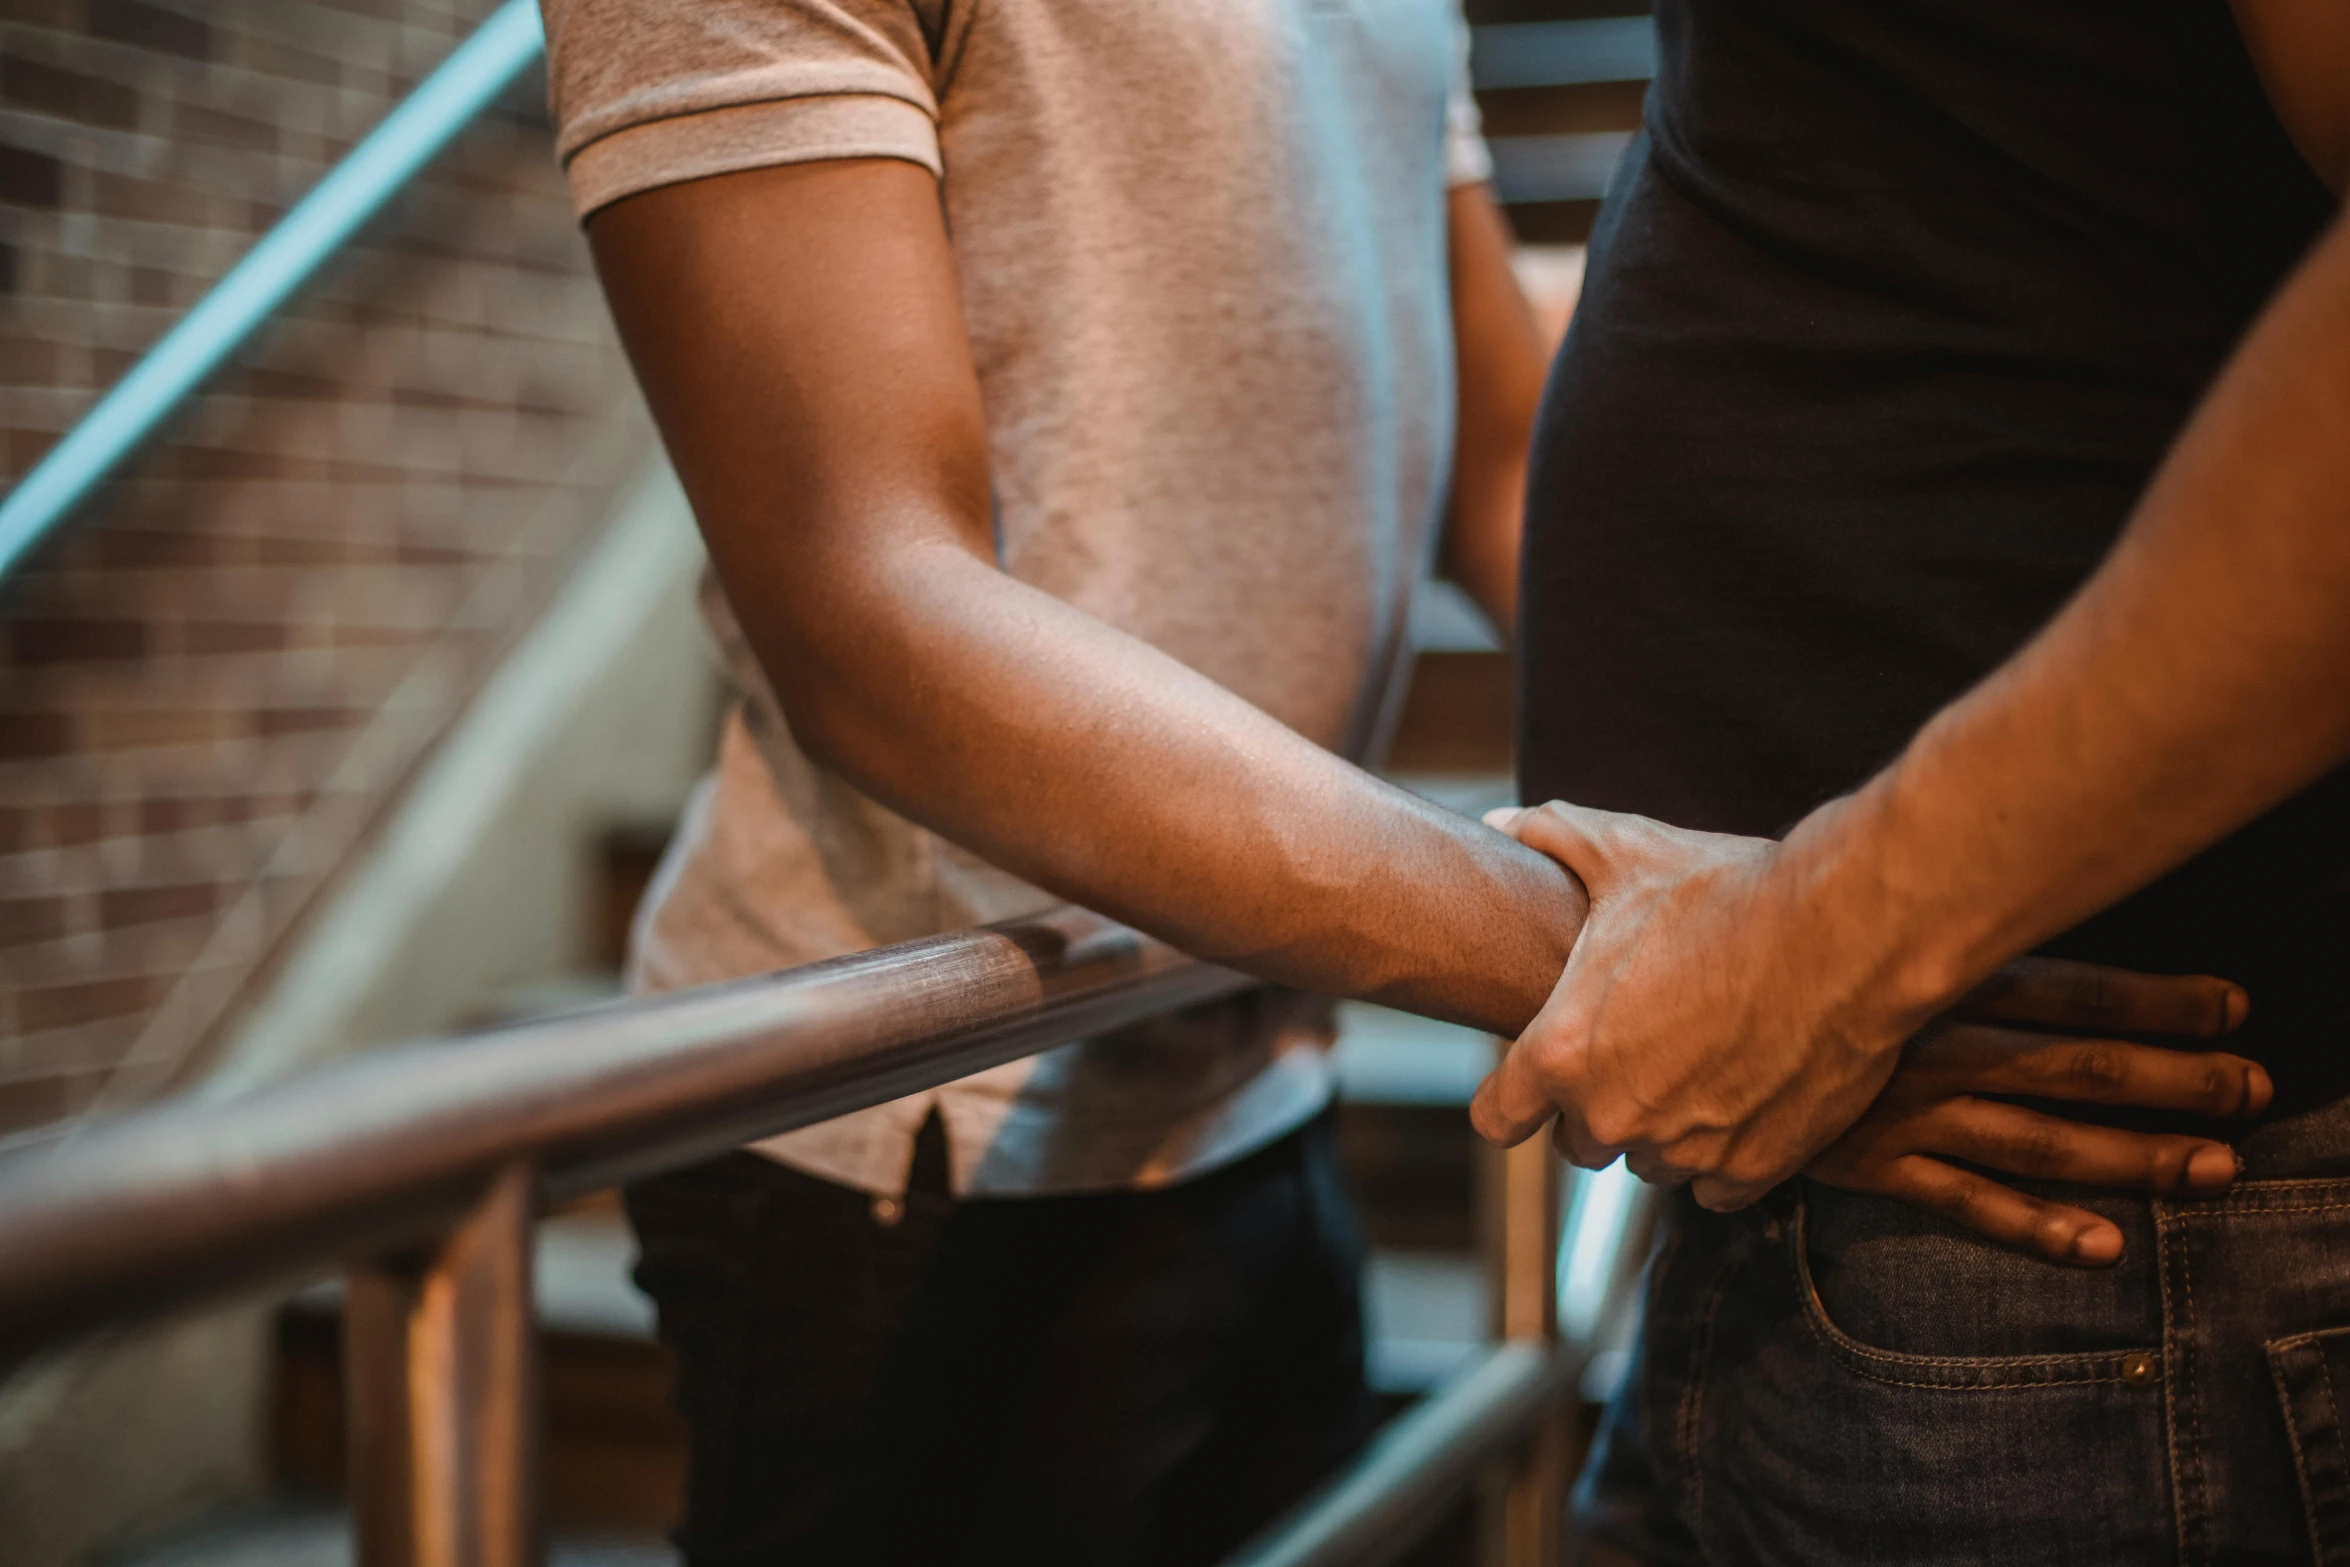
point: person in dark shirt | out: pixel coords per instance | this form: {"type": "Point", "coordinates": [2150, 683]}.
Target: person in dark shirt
{"type": "Point", "coordinates": [1902, 314]}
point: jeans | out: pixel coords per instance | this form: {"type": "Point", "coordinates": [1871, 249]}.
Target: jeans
{"type": "Point", "coordinates": [1830, 1379]}
{"type": "Point", "coordinates": [1109, 1378]}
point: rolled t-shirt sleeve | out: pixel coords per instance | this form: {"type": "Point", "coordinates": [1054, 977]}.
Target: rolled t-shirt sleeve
{"type": "Point", "coordinates": [1467, 160]}
{"type": "Point", "coordinates": [652, 92]}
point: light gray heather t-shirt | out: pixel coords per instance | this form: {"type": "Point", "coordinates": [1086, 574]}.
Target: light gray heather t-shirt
{"type": "Point", "coordinates": [1201, 246]}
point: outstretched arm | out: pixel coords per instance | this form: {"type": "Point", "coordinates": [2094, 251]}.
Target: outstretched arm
{"type": "Point", "coordinates": [799, 335]}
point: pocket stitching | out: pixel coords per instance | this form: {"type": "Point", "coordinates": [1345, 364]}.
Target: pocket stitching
{"type": "Point", "coordinates": [2185, 1499]}
{"type": "Point", "coordinates": [2326, 1370]}
{"type": "Point", "coordinates": [2276, 1376]}
{"type": "Point", "coordinates": [2255, 1211]}
{"type": "Point", "coordinates": [2260, 1199]}
{"type": "Point", "coordinates": [1957, 1373]}
{"type": "Point", "coordinates": [2192, 1396]}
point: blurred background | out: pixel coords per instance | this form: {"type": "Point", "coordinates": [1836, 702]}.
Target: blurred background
{"type": "Point", "coordinates": [358, 704]}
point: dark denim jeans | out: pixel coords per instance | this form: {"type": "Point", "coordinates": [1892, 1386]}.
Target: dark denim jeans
{"type": "Point", "coordinates": [1830, 1379]}
{"type": "Point", "coordinates": [1115, 1379]}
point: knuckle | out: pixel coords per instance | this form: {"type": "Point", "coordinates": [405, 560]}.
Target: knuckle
{"type": "Point", "coordinates": [1576, 1146]}
{"type": "Point", "coordinates": [2094, 994]}
{"type": "Point", "coordinates": [1653, 1169]}
{"type": "Point", "coordinates": [1614, 1126]}
{"type": "Point", "coordinates": [1551, 1067]}
{"type": "Point", "coordinates": [2038, 1149]}
{"type": "Point", "coordinates": [2098, 1068]}
{"type": "Point", "coordinates": [1717, 1196]}
{"type": "Point", "coordinates": [1743, 1180]}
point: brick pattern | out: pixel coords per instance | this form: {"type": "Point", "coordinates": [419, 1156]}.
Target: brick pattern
{"type": "Point", "coordinates": [213, 686]}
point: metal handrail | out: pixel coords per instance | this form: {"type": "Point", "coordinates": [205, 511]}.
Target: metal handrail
{"type": "Point", "coordinates": [1379, 1507]}
{"type": "Point", "coordinates": [171, 1204]}
{"type": "Point", "coordinates": [422, 1165]}
{"type": "Point", "coordinates": [258, 286]}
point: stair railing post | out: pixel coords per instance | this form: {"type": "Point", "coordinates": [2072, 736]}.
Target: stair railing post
{"type": "Point", "coordinates": [440, 1362]}
{"type": "Point", "coordinates": [1524, 1516]}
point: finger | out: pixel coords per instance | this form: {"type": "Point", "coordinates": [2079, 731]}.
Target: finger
{"type": "Point", "coordinates": [1655, 1169]}
{"type": "Point", "coordinates": [2073, 1236]}
{"type": "Point", "coordinates": [2017, 1141]}
{"type": "Point", "coordinates": [1721, 1194]}
{"type": "Point", "coordinates": [1977, 1058]}
{"type": "Point", "coordinates": [1593, 844]}
{"type": "Point", "coordinates": [2090, 998]}
{"type": "Point", "coordinates": [1510, 1106]}
{"type": "Point", "coordinates": [1578, 1147]}
{"type": "Point", "coordinates": [1567, 833]}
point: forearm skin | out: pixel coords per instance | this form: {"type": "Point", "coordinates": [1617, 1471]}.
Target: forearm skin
{"type": "Point", "coordinates": [1107, 772]}
{"type": "Point", "coordinates": [2201, 676]}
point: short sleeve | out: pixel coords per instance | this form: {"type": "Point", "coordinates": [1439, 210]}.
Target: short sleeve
{"type": "Point", "coordinates": [653, 92]}
{"type": "Point", "coordinates": [1467, 160]}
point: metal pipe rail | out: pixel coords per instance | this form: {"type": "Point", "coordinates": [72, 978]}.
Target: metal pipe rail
{"type": "Point", "coordinates": [1385, 1500]}
{"type": "Point", "coordinates": [287, 257]}
{"type": "Point", "coordinates": [421, 1167]}
{"type": "Point", "coordinates": [132, 1215]}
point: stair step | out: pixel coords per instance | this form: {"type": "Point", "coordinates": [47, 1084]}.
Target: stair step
{"type": "Point", "coordinates": [1427, 1316]}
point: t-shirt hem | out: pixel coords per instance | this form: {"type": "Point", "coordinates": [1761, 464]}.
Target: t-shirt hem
{"type": "Point", "coordinates": [730, 140]}
{"type": "Point", "coordinates": [1139, 1155]}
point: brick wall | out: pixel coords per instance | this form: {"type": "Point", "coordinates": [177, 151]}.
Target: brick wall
{"type": "Point", "coordinates": [213, 685]}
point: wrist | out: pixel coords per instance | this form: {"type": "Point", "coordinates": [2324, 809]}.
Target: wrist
{"type": "Point", "coordinates": [1891, 954]}
{"type": "Point", "coordinates": [1550, 906]}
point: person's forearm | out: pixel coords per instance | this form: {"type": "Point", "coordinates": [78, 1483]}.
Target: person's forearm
{"type": "Point", "coordinates": [1500, 365]}
{"type": "Point", "coordinates": [1109, 773]}
{"type": "Point", "coordinates": [2202, 675]}
{"type": "Point", "coordinates": [1482, 529]}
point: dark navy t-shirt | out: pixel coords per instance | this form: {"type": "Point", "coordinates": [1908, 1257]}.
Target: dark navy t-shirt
{"type": "Point", "coordinates": [1890, 318]}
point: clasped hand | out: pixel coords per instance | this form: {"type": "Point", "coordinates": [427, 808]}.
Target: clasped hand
{"type": "Point", "coordinates": [1713, 1030]}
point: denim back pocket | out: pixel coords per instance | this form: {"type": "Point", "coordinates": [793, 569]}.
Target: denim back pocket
{"type": "Point", "coordinates": [2307, 1368]}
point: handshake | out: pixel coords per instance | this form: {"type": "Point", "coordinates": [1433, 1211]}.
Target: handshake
{"type": "Point", "coordinates": [1737, 1011]}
